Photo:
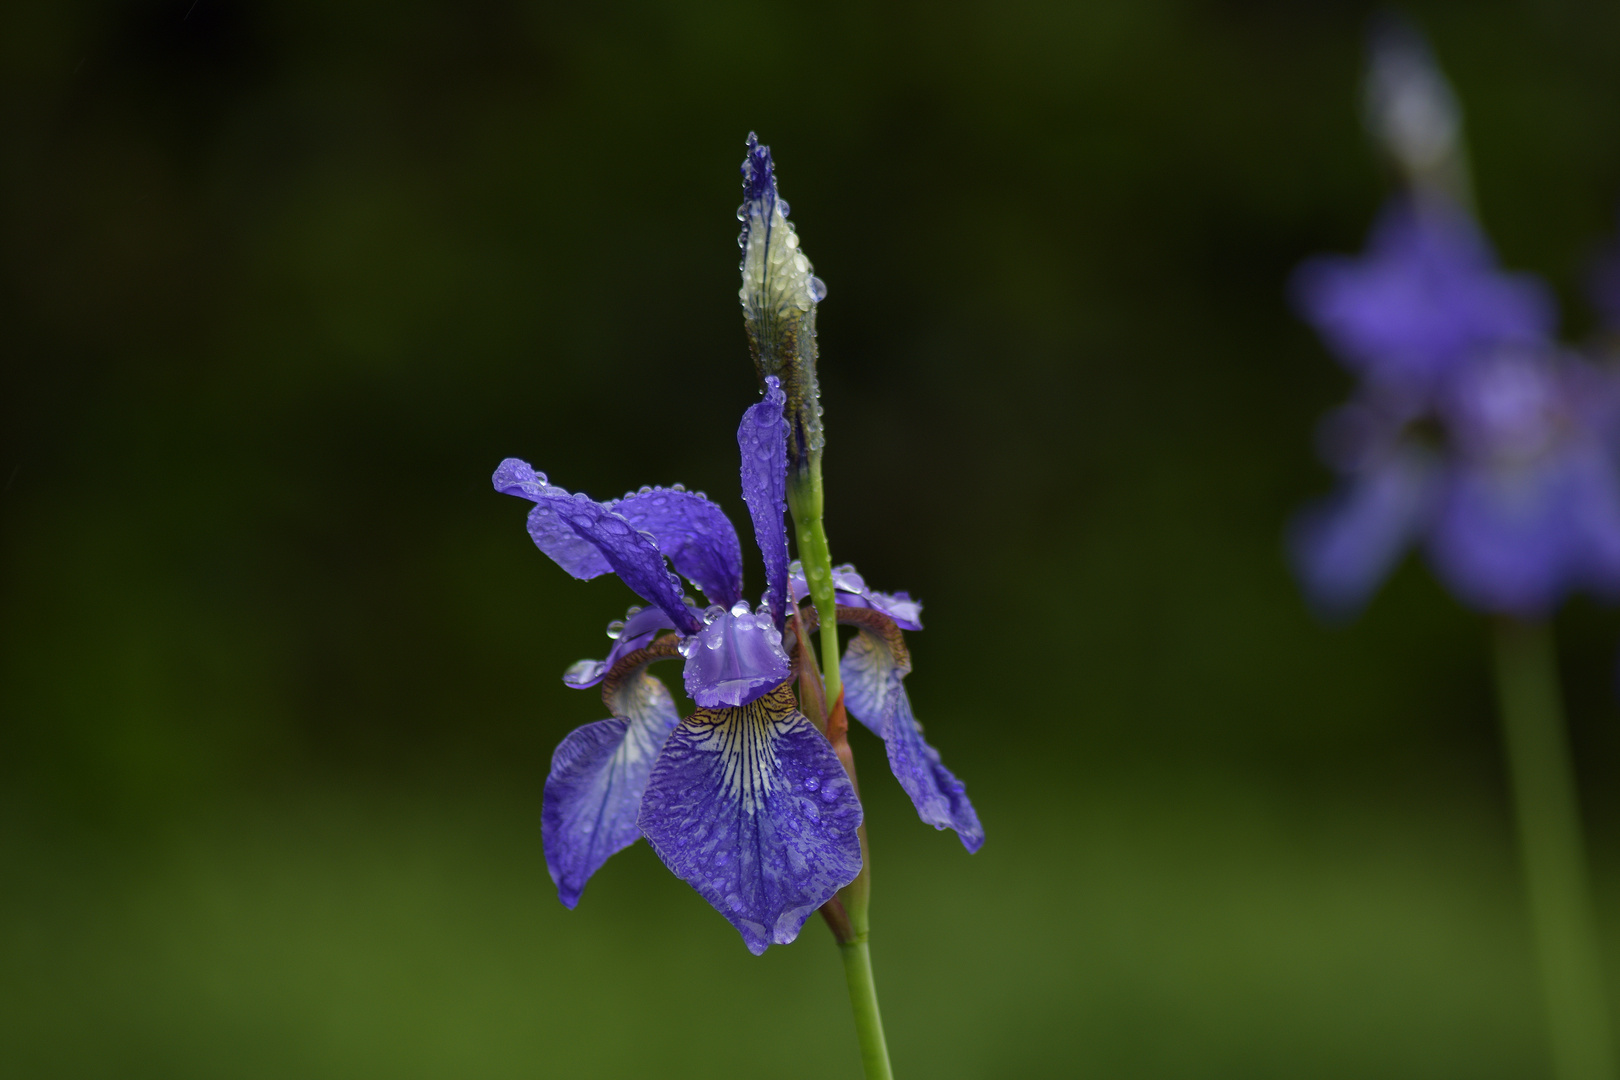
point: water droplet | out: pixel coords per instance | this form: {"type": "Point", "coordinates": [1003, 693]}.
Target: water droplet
{"type": "Point", "coordinates": [712, 612]}
{"type": "Point", "coordinates": [812, 783]}
{"type": "Point", "coordinates": [818, 290]}
{"type": "Point", "coordinates": [677, 487]}
{"type": "Point", "coordinates": [740, 608]}
{"type": "Point", "coordinates": [615, 628]}
{"type": "Point", "coordinates": [829, 794]}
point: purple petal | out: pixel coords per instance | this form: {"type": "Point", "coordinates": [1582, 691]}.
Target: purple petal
{"type": "Point", "coordinates": [634, 633]}
{"type": "Point", "coordinates": [598, 774]}
{"type": "Point", "coordinates": [762, 438]}
{"type": "Point", "coordinates": [1344, 546]}
{"type": "Point", "coordinates": [751, 807]}
{"type": "Point", "coordinates": [1425, 296]}
{"type": "Point", "coordinates": [695, 534]}
{"type": "Point", "coordinates": [873, 670]}
{"type": "Point", "coordinates": [618, 546]}
{"type": "Point", "coordinates": [853, 592]}
{"type": "Point", "coordinates": [552, 535]}
{"type": "Point", "coordinates": [1515, 538]}
{"type": "Point", "coordinates": [734, 659]}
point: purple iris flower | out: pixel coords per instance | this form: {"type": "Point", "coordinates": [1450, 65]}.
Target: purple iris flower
{"type": "Point", "coordinates": [744, 799]}
{"type": "Point", "coordinates": [1425, 298]}
{"type": "Point", "coordinates": [1472, 434]}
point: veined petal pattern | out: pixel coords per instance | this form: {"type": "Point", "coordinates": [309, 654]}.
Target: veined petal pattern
{"type": "Point", "coordinates": [751, 807]}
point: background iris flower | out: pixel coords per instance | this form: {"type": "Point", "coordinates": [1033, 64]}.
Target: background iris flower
{"type": "Point", "coordinates": [1472, 432]}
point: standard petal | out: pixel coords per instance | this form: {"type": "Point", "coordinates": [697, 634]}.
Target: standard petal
{"type": "Point", "coordinates": [734, 659]}
{"type": "Point", "coordinates": [588, 539]}
{"type": "Point", "coordinates": [762, 438]}
{"type": "Point", "coordinates": [552, 535]}
{"type": "Point", "coordinates": [695, 534]}
{"type": "Point", "coordinates": [1345, 545]}
{"type": "Point", "coordinates": [873, 668]}
{"type": "Point", "coordinates": [598, 775]}
{"type": "Point", "coordinates": [751, 807]}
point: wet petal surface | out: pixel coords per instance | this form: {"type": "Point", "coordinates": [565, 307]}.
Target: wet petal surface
{"type": "Point", "coordinates": [751, 807]}
{"type": "Point", "coordinates": [762, 438]}
{"type": "Point", "coordinates": [694, 534]}
{"type": "Point", "coordinates": [598, 774]}
{"type": "Point", "coordinates": [734, 659]}
{"type": "Point", "coordinates": [873, 671]}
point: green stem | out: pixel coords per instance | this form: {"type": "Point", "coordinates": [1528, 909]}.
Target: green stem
{"type": "Point", "coordinates": [805, 500]}
{"type": "Point", "coordinates": [846, 913]}
{"type": "Point", "coordinates": [863, 997]}
{"type": "Point", "coordinates": [1550, 845]}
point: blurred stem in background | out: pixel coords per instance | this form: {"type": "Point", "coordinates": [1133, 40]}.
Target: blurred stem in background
{"type": "Point", "coordinates": [1550, 843]}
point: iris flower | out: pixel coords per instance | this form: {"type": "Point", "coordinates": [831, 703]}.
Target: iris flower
{"type": "Point", "coordinates": [744, 799]}
{"type": "Point", "coordinates": [1472, 433]}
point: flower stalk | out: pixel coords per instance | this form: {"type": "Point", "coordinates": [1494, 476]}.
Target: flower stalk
{"type": "Point", "coordinates": [1551, 850]}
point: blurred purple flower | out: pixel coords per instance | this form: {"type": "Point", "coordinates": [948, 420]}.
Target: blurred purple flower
{"type": "Point", "coordinates": [1472, 434]}
{"type": "Point", "coordinates": [1425, 297]}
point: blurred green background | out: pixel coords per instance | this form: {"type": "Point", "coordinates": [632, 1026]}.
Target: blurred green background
{"type": "Point", "coordinates": [279, 671]}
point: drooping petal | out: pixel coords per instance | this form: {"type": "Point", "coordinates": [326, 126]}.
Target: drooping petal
{"type": "Point", "coordinates": [1425, 296]}
{"type": "Point", "coordinates": [598, 774]}
{"type": "Point", "coordinates": [751, 807]}
{"type": "Point", "coordinates": [633, 633]}
{"type": "Point", "coordinates": [618, 546]}
{"type": "Point", "coordinates": [873, 669]}
{"type": "Point", "coordinates": [1345, 545]}
{"type": "Point", "coordinates": [696, 536]}
{"type": "Point", "coordinates": [1515, 538]}
{"type": "Point", "coordinates": [853, 592]}
{"type": "Point", "coordinates": [736, 658]}
{"type": "Point", "coordinates": [762, 438]}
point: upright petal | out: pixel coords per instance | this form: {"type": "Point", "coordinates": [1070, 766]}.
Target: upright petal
{"type": "Point", "coordinates": [599, 772]}
{"type": "Point", "coordinates": [873, 668]}
{"type": "Point", "coordinates": [552, 535]}
{"type": "Point", "coordinates": [695, 534]}
{"type": "Point", "coordinates": [751, 807]}
{"type": "Point", "coordinates": [1346, 544]}
{"type": "Point", "coordinates": [736, 658]}
{"type": "Point", "coordinates": [618, 546]}
{"type": "Point", "coordinates": [762, 438]}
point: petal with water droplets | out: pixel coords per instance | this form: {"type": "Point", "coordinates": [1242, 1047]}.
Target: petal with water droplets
{"type": "Point", "coordinates": [751, 807]}
{"type": "Point", "coordinates": [598, 774]}
{"type": "Point", "coordinates": [762, 438]}
{"type": "Point", "coordinates": [873, 669]}
{"type": "Point", "coordinates": [695, 534]}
